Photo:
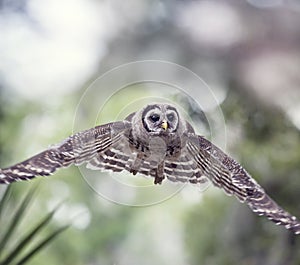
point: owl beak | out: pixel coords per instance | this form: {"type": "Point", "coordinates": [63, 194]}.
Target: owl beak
{"type": "Point", "coordinates": [164, 125]}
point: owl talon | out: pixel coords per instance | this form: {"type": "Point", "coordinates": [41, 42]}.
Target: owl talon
{"type": "Point", "coordinates": [159, 174]}
{"type": "Point", "coordinates": [158, 180]}
{"type": "Point", "coordinates": [133, 171]}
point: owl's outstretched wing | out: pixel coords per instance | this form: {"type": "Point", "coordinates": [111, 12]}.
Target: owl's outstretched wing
{"type": "Point", "coordinates": [76, 149]}
{"type": "Point", "coordinates": [226, 173]}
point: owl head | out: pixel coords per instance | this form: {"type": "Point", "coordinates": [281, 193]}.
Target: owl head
{"type": "Point", "coordinates": [159, 119]}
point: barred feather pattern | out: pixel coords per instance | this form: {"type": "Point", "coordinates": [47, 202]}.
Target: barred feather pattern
{"type": "Point", "coordinates": [109, 147]}
{"type": "Point", "coordinates": [229, 175]}
{"type": "Point", "coordinates": [76, 149]}
{"type": "Point", "coordinates": [119, 157]}
{"type": "Point", "coordinates": [184, 169]}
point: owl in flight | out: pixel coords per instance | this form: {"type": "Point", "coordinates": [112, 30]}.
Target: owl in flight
{"type": "Point", "coordinates": [155, 142]}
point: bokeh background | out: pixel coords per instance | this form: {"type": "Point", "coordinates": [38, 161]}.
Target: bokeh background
{"type": "Point", "coordinates": [248, 53]}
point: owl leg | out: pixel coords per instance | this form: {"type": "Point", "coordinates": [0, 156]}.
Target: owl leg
{"type": "Point", "coordinates": [136, 164]}
{"type": "Point", "coordinates": [159, 173]}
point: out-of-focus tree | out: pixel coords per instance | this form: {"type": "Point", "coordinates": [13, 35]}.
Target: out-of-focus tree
{"type": "Point", "coordinates": [246, 51]}
{"type": "Point", "coordinates": [220, 232]}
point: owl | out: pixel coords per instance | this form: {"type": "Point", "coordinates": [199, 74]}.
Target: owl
{"type": "Point", "coordinates": [156, 142]}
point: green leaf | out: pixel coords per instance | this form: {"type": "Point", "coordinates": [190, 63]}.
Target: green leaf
{"type": "Point", "coordinates": [27, 239]}
{"type": "Point", "coordinates": [4, 199]}
{"type": "Point", "coordinates": [42, 244]}
{"type": "Point", "coordinates": [16, 219]}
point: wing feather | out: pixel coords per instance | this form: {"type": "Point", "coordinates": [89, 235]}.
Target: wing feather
{"type": "Point", "coordinates": [76, 149]}
{"type": "Point", "coordinates": [184, 169]}
{"type": "Point", "coordinates": [229, 175]}
{"type": "Point", "coordinates": [118, 157]}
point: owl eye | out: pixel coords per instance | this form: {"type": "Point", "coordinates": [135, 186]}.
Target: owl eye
{"type": "Point", "coordinates": [154, 117]}
{"type": "Point", "coordinates": [171, 117]}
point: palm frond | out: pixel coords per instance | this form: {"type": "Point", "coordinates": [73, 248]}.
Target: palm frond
{"type": "Point", "coordinates": [4, 199]}
{"type": "Point", "coordinates": [18, 251]}
{"type": "Point", "coordinates": [42, 244]}
{"type": "Point", "coordinates": [16, 219]}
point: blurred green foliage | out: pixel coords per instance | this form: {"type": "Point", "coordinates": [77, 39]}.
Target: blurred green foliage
{"type": "Point", "coordinates": [216, 230]}
{"type": "Point", "coordinates": [239, 48]}
{"type": "Point", "coordinates": [220, 230]}
{"type": "Point", "coordinates": [18, 244]}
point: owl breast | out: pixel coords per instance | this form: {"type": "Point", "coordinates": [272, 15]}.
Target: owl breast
{"type": "Point", "coordinates": [157, 150]}
{"type": "Point", "coordinates": [157, 146]}
{"type": "Point", "coordinates": [149, 157]}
